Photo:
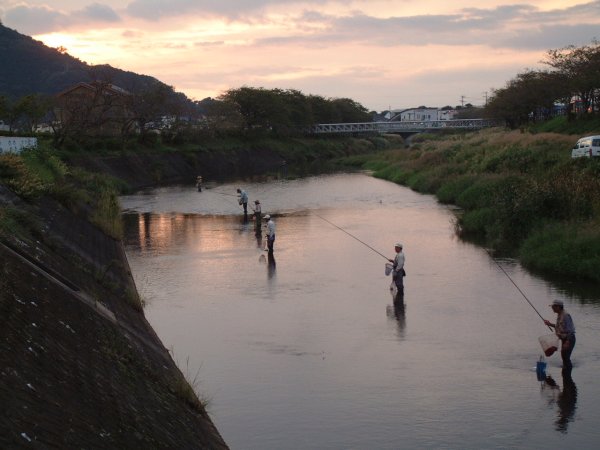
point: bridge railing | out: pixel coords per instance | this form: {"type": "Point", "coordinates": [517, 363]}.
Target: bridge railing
{"type": "Point", "coordinates": [406, 126]}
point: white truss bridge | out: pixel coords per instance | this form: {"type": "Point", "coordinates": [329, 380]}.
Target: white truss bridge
{"type": "Point", "coordinates": [402, 127]}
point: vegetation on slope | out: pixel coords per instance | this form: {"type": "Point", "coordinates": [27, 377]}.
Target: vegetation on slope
{"type": "Point", "coordinates": [518, 192]}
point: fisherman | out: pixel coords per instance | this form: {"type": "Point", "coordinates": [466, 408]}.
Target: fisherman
{"type": "Point", "coordinates": [270, 233]}
{"type": "Point", "coordinates": [398, 272]}
{"type": "Point", "coordinates": [199, 183]}
{"type": "Point", "coordinates": [565, 330]}
{"type": "Point", "coordinates": [243, 200]}
{"type": "Point", "coordinates": [258, 217]}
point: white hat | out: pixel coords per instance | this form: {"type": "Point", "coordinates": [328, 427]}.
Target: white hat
{"type": "Point", "coordinates": [558, 303]}
{"type": "Point", "coordinates": [398, 244]}
{"type": "Point", "coordinates": [267, 217]}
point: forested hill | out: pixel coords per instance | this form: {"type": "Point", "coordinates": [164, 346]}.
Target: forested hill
{"type": "Point", "coordinates": [28, 66]}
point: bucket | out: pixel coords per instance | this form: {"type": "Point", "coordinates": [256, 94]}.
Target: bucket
{"type": "Point", "coordinates": [388, 268]}
{"type": "Point", "coordinates": [540, 369]}
{"type": "Point", "coordinates": [540, 366]}
{"type": "Point", "coordinates": [549, 343]}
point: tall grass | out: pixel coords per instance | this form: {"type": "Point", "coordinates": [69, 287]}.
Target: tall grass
{"type": "Point", "coordinates": [519, 191]}
{"type": "Point", "coordinates": [36, 173]}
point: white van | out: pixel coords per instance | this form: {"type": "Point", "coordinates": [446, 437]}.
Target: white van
{"type": "Point", "coordinates": [587, 147]}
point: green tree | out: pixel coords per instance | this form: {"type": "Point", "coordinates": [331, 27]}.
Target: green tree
{"type": "Point", "coordinates": [530, 95]}
{"type": "Point", "coordinates": [350, 111]}
{"type": "Point", "coordinates": [580, 68]}
{"type": "Point", "coordinates": [30, 110]}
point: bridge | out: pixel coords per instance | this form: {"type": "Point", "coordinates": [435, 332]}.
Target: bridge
{"type": "Point", "coordinates": [402, 127]}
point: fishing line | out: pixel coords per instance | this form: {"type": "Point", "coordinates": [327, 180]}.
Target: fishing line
{"type": "Point", "coordinates": [352, 236]}
{"type": "Point", "coordinates": [515, 284]}
{"type": "Point", "coordinates": [229, 195]}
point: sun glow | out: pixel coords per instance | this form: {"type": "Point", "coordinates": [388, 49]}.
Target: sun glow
{"type": "Point", "coordinates": [56, 40]}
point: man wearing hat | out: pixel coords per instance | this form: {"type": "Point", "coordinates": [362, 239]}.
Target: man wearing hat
{"type": "Point", "coordinates": [398, 271]}
{"type": "Point", "coordinates": [270, 234]}
{"type": "Point", "coordinates": [565, 330]}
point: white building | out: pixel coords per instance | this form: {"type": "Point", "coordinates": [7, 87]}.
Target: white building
{"type": "Point", "coordinates": [13, 144]}
{"type": "Point", "coordinates": [420, 115]}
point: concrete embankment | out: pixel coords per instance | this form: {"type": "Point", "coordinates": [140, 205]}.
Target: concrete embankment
{"type": "Point", "coordinates": [80, 367]}
{"type": "Point", "coordinates": [150, 168]}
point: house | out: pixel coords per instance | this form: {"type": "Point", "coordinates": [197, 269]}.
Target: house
{"type": "Point", "coordinates": [421, 114]}
{"type": "Point", "coordinates": [447, 114]}
{"type": "Point", "coordinates": [96, 108]}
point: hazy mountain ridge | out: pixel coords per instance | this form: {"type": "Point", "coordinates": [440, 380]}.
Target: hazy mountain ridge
{"type": "Point", "coordinates": [28, 66]}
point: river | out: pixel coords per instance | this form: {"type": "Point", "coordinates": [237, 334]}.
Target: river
{"type": "Point", "coordinates": [310, 352]}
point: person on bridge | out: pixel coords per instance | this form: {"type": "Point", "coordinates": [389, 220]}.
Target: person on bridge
{"type": "Point", "coordinates": [270, 234]}
{"type": "Point", "coordinates": [565, 330]}
{"type": "Point", "coordinates": [398, 272]}
{"type": "Point", "coordinates": [243, 200]}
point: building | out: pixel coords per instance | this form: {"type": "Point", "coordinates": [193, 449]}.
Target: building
{"type": "Point", "coordinates": [96, 109]}
{"type": "Point", "coordinates": [422, 114]}
{"type": "Point", "coordinates": [15, 144]}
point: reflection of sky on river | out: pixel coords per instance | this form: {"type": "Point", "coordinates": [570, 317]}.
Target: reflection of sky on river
{"type": "Point", "coordinates": [311, 353]}
{"type": "Point", "coordinates": [308, 193]}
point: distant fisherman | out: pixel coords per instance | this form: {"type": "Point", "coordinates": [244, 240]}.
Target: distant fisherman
{"type": "Point", "coordinates": [565, 330]}
{"type": "Point", "coordinates": [270, 234]}
{"type": "Point", "coordinates": [199, 183]}
{"type": "Point", "coordinates": [398, 271]}
{"type": "Point", "coordinates": [243, 200]}
{"type": "Point", "coordinates": [258, 217]}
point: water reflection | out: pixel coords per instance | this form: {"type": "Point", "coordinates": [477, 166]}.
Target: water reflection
{"type": "Point", "coordinates": [215, 294]}
{"type": "Point", "coordinates": [397, 312]}
{"type": "Point", "coordinates": [565, 399]}
{"type": "Point", "coordinates": [271, 264]}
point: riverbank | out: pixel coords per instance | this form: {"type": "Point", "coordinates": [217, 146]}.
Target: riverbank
{"type": "Point", "coordinates": [225, 159]}
{"type": "Point", "coordinates": [520, 193]}
{"type": "Point", "coordinates": [81, 365]}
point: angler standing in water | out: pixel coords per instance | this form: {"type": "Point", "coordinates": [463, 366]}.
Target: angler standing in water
{"type": "Point", "coordinates": [199, 183]}
{"type": "Point", "coordinates": [243, 200]}
{"type": "Point", "coordinates": [270, 234]}
{"type": "Point", "coordinates": [398, 272]}
{"type": "Point", "coordinates": [565, 330]}
{"type": "Point", "coordinates": [258, 217]}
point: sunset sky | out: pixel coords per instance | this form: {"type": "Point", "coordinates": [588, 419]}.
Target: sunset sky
{"type": "Point", "coordinates": [381, 53]}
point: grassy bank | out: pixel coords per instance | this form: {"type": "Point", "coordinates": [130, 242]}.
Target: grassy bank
{"type": "Point", "coordinates": [37, 173]}
{"type": "Point", "coordinates": [519, 193]}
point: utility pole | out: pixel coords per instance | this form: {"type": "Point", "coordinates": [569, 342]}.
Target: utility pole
{"type": "Point", "coordinates": [462, 100]}
{"type": "Point", "coordinates": [485, 95]}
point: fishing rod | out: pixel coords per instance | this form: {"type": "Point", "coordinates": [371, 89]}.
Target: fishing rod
{"type": "Point", "coordinates": [223, 193]}
{"type": "Point", "coordinates": [352, 236]}
{"type": "Point", "coordinates": [515, 285]}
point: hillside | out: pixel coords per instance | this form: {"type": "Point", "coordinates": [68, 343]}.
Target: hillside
{"type": "Point", "coordinates": [28, 66]}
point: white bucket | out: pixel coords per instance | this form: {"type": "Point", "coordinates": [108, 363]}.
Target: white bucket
{"type": "Point", "coordinates": [549, 343]}
{"type": "Point", "coordinates": [388, 268]}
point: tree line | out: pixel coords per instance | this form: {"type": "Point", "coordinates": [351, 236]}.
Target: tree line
{"type": "Point", "coordinates": [571, 82]}
{"type": "Point", "coordinates": [159, 109]}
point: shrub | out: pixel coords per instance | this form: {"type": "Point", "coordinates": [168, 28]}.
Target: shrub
{"type": "Point", "coordinates": [571, 248]}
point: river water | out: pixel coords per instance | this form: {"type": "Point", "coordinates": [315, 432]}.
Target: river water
{"type": "Point", "coordinates": [309, 352]}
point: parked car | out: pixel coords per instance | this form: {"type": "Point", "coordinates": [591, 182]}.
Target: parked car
{"type": "Point", "coordinates": [586, 147]}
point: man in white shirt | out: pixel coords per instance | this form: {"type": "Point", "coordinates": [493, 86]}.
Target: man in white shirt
{"type": "Point", "coordinates": [398, 271]}
{"type": "Point", "coordinates": [270, 233]}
